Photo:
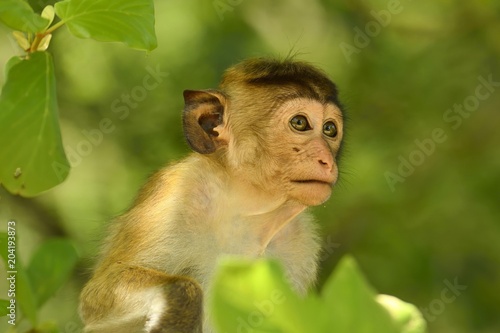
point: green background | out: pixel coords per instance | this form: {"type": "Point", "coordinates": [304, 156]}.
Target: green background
{"type": "Point", "coordinates": [438, 226]}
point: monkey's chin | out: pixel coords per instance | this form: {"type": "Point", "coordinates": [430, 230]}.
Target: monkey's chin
{"type": "Point", "coordinates": [311, 193]}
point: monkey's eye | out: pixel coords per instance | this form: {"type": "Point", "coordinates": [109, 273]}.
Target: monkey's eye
{"type": "Point", "coordinates": [300, 123]}
{"type": "Point", "coordinates": [329, 129]}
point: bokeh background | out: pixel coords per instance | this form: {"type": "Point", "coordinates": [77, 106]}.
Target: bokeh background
{"type": "Point", "coordinates": [416, 230]}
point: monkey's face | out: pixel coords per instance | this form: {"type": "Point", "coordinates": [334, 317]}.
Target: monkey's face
{"type": "Point", "coordinates": [304, 137]}
{"type": "Point", "coordinates": [287, 152]}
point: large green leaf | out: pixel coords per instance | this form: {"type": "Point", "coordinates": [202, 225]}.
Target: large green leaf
{"type": "Point", "coordinates": [32, 157]}
{"type": "Point", "coordinates": [351, 304]}
{"type": "Point", "coordinates": [242, 301]}
{"type": "Point", "coordinates": [130, 22]}
{"type": "Point", "coordinates": [25, 299]}
{"type": "Point", "coordinates": [18, 15]}
{"type": "Point", "coordinates": [253, 297]}
{"type": "Point", "coordinates": [50, 267]}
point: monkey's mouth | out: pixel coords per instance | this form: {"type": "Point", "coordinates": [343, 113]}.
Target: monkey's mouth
{"type": "Point", "coordinates": [313, 182]}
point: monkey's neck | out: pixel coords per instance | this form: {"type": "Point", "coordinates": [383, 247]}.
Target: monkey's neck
{"type": "Point", "coordinates": [267, 225]}
{"type": "Point", "coordinates": [263, 215]}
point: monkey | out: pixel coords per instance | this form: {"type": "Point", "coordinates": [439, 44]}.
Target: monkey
{"type": "Point", "coordinates": [265, 146]}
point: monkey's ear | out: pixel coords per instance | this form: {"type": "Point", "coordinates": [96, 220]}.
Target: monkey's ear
{"type": "Point", "coordinates": [203, 112]}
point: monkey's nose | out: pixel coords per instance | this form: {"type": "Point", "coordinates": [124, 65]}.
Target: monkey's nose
{"type": "Point", "coordinates": [325, 160]}
{"type": "Point", "coordinates": [326, 163]}
{"type": "Point", "coordinates": [323, 155]}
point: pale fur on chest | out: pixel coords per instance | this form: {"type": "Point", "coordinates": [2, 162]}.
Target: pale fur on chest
{"type": "Point", "coordinates": [185, 225]}
{"type": "Point", "coordinates": [193, 239]}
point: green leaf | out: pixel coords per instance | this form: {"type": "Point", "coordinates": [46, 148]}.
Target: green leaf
{"type": "Point", "coordinates": [39, 5]}
{"type": "Point", "coordinates": [49, 13]}
{"type": "Point", "coordinates": [18, 15]}
{"type": "Point", "coordinates": [32, 157]}
{"type": "Point", "coordinates": [44, 43]}
{"type": "Point", "coordinates": [21, 39]}
{"type": "Point", "coordinates": [252, 296]}
{"type": "Point", "coordinates": [25, 299]}
{"type": "Point", "coordinates": [406, 315]}
{"type": "Point", "coordinates": [130, 22]}
{"type": "Point", "coordinates": [11, 63]}
{"type": "Point", "coordinates": [50, 267]}
{"type": "Point", "coordinates": [4, 303]}
{"type": "Point", "coordinates": [350, 302]}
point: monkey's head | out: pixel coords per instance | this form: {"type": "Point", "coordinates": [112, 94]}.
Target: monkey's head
{"type": "Point", "coordinates": [277, 125]}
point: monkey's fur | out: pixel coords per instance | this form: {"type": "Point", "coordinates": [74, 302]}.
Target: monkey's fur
{"type": "Point", "coordinates": [264, 150]}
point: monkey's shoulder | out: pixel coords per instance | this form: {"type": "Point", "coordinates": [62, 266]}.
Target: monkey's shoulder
{"type": "Point", "coordinates": [179, 178]}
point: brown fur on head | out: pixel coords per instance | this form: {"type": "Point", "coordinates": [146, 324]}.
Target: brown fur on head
{"type": "Point", "coordinates": [291, 78]}
{"type": "Point", "coordinates": [239, 121]}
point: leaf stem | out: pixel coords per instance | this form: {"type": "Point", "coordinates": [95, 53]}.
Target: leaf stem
{"type": "Point", "coordinates": [36, 42]}
{"type": "Point", "coordinates": [41, 35]}
{"type": "Point", "coordinates": [54, 27]}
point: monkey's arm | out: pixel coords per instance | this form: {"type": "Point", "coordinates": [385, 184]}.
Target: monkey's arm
{"type": "Point", "coordinates": [130, 299]}
{"type": "Point", "coordinates": [135, 287]}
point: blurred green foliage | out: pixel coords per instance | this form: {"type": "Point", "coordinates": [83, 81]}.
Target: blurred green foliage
{"type": "Point", "coordinates": [432, 239]}
{"type": "Point", "coordinates": [253, 296]}
{"type": "Point", "coordinates": [29, 287]}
